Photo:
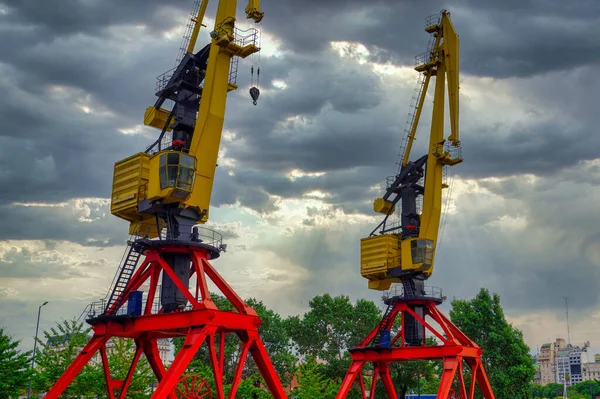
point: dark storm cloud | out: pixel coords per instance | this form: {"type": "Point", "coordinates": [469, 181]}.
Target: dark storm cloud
{"type": "Point", "coordinates": [58, 152]}
{"type": "Point", "coordinates": [541, 150]}
{"type": "Point", "coordinates": [331, 118]}
{"type": "Point", "coordinates": [85, 224]}
{"type": "Point", "coordinates": [68, 17]}
{"type": "Point", "coordinates": [44, 262]}
{"type": "Point", "coordinates": [498, 39]}
{"type": "Point", "coordinates": [532, 241]}
{"type": "Point", "coordinates": [329, 255]}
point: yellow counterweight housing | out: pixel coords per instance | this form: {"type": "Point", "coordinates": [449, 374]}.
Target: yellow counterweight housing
{"type": "Point", "coordinates": [379, 254]}
{"type": "Point", "coordinates": [383, 206]}
{"type": "Point", "coordinates": [157, 118]}
{"type": "Point", "coordinates": [130, 182]}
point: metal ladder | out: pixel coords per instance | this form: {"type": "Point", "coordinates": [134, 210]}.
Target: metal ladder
{"type": "Point", "coordinates": [418, 91]}
{"type": "Point", "coordinates": [185, 40]}
{"type": "Point", "coordinates": [408, 290]}
{"type": "Point", "coordinates": [385, 321]}
{"type": "Point", "coordinates": [126, 271]}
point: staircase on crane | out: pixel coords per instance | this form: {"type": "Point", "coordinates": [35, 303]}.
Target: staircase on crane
{"type": "Point", "coordinates": [126, 270]}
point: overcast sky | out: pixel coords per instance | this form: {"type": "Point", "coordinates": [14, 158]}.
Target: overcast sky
{"type": "Point", "coordinates": [298, 172]}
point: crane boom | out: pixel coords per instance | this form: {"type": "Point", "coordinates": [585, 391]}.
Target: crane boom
{"type": "Point", "coordinates": [170, 184]}
{"type": "Point", "coordinates": [405, 252]}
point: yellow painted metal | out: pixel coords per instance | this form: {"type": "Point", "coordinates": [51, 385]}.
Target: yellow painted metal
{"type": "Point", "coordinates": [157, 118]}
{"type": "Point", "coordinates": [378, 254]}
{"type": "Point", "coordinates": [204, 146]}
{"type": "Point", "coordinates": [197, 24]}
{"type": "Point", "coordinates": [443, 64]}
{"type": "Point", "coordinates": [413, 129]}
{"type": "Point", "coordinates": [207, 134]}
{"type": "Point", "coordinates": [131, 177]}
{"type": "Point", "coordinates": [383, 206]}
{"type": "Point", "coordinates": [253, 11]}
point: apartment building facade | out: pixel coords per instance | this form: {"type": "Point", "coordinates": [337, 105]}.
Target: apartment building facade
{"type": "Point", "coordinates": [547, 360]}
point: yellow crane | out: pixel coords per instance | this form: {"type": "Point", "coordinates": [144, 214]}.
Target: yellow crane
{"type": "Point", "coordinates": [404, 252]}
{"type": "Point", "coordinates": [169, 185]}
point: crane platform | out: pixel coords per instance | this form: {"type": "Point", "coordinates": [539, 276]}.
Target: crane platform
{"type": "Point", "coordinates": [394, 339]}
{"type": "Point", "coordinates": [201, 322]}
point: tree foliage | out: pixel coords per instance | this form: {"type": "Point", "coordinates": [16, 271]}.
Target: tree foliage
{"type": "Point", "coordinates": [312, 384]}
{"type": "Point", "coordinates": [63, 342]}
{"type": "Point", "coordinates": [582, 390]}
{"type": "Point", "coordinates": [506, 356]}
{"type": "Point", "coordinates": [331, 327]}
{"type": "Point", "coordinates": [420, 376]}
{"type": "Point", "coordinates": [274, 334]}
{"type": "Point", "coordinates": [59, 347]}
{"type": "Point", "coordinates": [14, 367]}
{"type": "Point", "coordinates": [120, 356]}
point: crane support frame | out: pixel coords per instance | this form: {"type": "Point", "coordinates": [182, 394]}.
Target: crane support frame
{"type": "Point", "coordinates": [202, 323]}
{"type": "Point", "coordinates": [456, 351]}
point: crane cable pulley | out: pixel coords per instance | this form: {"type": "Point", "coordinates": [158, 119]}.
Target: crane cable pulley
{"type": "Point", "coordinates": [254, 91]}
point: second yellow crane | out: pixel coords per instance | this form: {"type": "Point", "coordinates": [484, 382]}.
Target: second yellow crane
{"type": "Point", "coordinates": [405, 252]}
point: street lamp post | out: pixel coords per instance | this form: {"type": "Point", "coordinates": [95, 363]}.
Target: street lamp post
{"type": "Point", "coordinates": [37, 326]}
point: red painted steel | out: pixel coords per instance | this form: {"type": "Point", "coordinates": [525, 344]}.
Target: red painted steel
{"type": "Point", "coordinates": [456, 349]}
{"type": "Point", "coordinates": [193, 387]}
{"type": "Point", "coordinates": [199, 325]}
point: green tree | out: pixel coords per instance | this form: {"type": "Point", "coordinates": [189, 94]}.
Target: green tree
{"type": "Point", "coordinates": [59, 347]}
{"type": "Point", "coordinates": [273, 333]}
{"type": "Point", "coordinates": [548, 391]}
{"type": "Point", "coordinates": [312, 384]}
{"type": "Point", "coordinates": [421, 376]}
{"type": "Point", "coordinates": [120, 356]}
{"type": "Point", "coordinates": [14, 367]}
{"type": "Point", "coordinates": [506, 356]}
{"type": "Point", "coordinates": [586, 389]}
{"type": "Point", "coordinates": [331, 327]}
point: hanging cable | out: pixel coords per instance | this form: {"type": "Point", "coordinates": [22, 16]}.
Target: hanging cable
{"type": "Point", "coordinates": [254, 91]}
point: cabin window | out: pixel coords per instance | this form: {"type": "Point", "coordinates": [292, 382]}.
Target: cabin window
{"type": "Point", "coordinates": [422, 251]}
{"type": "Point", "coordinates": [177, 170]}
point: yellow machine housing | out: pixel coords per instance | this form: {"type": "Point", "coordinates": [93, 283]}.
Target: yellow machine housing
{"type": "Point", "coordinates": [383, 206]}
{"type": "Point", "coordinates": [381, 257]}
{"type": "Point", "coordinates": [157, 118]}
{"type": "Point", "coordinates": [132, 183]}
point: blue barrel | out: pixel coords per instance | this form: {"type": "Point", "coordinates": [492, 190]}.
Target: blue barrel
{"type": "Point", "coordinates": [385, 339]}
{"type": "Point", "coordinates": [134, 303]}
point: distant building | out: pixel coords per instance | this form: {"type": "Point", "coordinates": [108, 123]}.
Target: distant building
{"type": "Point", "coordinates": [597, 358]}
{"type": "Point", "coordinates": [537, 378]}
{"type": "Point", "coordinates": [547, 361]}
{"type": "Point", "coordinates": [591, 371]}
{"type": "Point", "coordinates": [563, 367]}
{"type": "Point", "coordinates": [569, 365]}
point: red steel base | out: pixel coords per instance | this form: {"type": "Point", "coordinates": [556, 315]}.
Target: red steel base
{"type": "Point", "coordinates": [203, 323]}
{"type": "Point", "coordinates": [456, 347]}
